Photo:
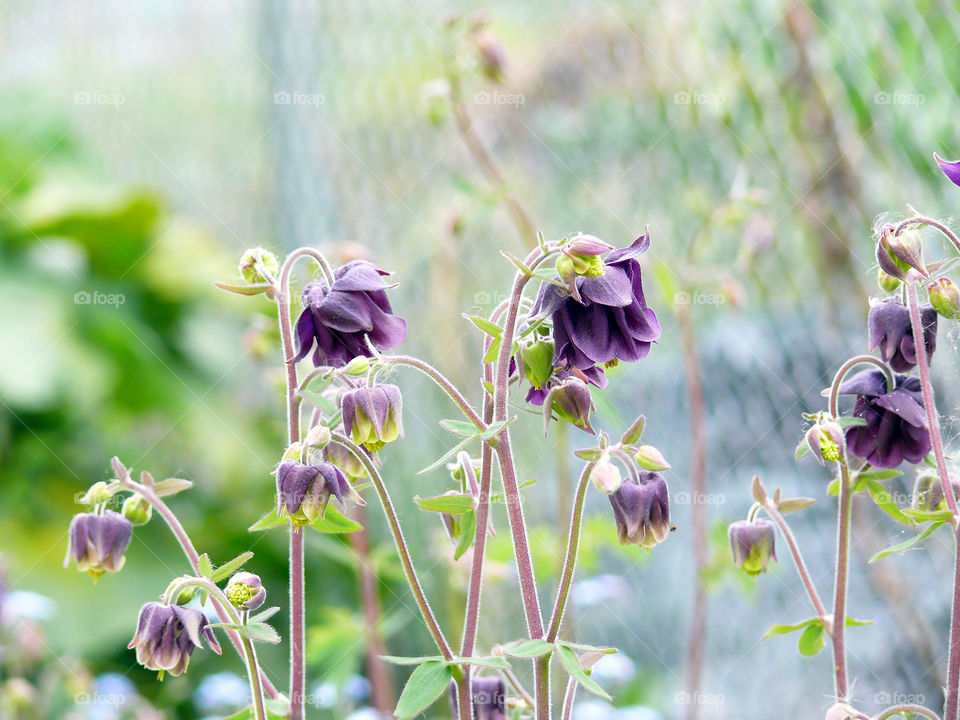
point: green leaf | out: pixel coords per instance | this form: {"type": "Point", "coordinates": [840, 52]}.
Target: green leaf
{"type": "Point", "coordinates": [811, 641]}
{"type": "Point", "coordinates": [468, 533]}
{"type": "Point", "coordinates": [879, 475]}
{"type": "Point", "coordinates": [264, 615]}
{"type": "Point", "coordinates": [500, 497]}
{"type": "Point", "coordinates": [495, 428]}
{"type": "Point", "coordinates": [492, 353]}
{"type": "Point", "coordinates": [834, 487]}
{"type": "Point", "coordinates": [399, 660]}
{"type": "Point", "coordinates": [604, 649]}
{"type": "Point", "coordinates": [785, 629]}
{"type": "Point", "coordinates": [461, 428]}
{"type": "Point", "coordinates": [794, 504]}
{"type": "Point", "coordinates": [230, 567]}
{"type": "Point", "coordinates": [454, 504]}
{"type": "Point", "coordinates": [884, 500]}
{"type": "Point", "coordinates": [488, 661]}
{"type": "Point", "coordinates": [171, 486]}
{"type": "Point", "coordinates": [846, 422]}
{"type": "Point", "coordinates": [260, 632]}
{"type": "Point", "coordinates": [589, 454]}
{"type": "Point", "coordinates": [447, 455]}
{"type": "Point", "coordinates": [425, 684]}
{"type": "Point", "coordinates": [571, 663]}
{"type": "Point", "coordinates": [803, 449]}
{"type": "Point", "coordinates": [491, 329]}
{"type": "Point", "coordinates": [528, 648]}
{"type": "Point", "coordinates": [907, 544]}
{"type": "Point", "coordinates": [204, 566]}
{"type": "Point", "coordinates": [335, 522]}
{"type": "Point", "coordinates": [929, 515]}
{"type": "Point", "coordinates": [267, 521]}
{"type": "Point", "coordinates": [519, 263]}
{"type": "Point", "coordinates": [319, 401]}
{"type": "Point", "coordinates": [634, 432]}
{"type": "Point", "coordinates": [254, 289]}
{"type": "Point", "coordinates": [853, 622]}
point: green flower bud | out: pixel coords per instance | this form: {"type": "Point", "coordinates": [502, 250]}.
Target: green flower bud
{"type": "Point", "coordinates": [137, 510]}
{"type": "Point", "coordinates": [605, 476]}
{"type": "Point", "coordinates": [887, 282]}
{"type": "Point", "coordinates": [97, 494]}
{"type": "Point", "coordinates": [928, 492]}
{"type": "Point", "coordinates": [318, 437]}
{"type": "Point", "coordinates": [245, 591]}
{"type": "Point", "coordinates": [253, 260]}
{"type": "Point", "coordinates": [945, 298]}
{"type": "Point", "coordinates": [536, 361]}
{"type": "Point", "coordinates": [360, 365]}
{"type": "Point", "coordinates": [649, 458]}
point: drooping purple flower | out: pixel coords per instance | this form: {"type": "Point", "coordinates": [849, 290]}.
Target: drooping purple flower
{"type": "Point", "coordinates": [373, 416]}
{"type": "Point", "coordinates": [610, 322]}
{"type": "Point", "coordinates": [303, 491]}
{"type": "Point", "coordinates": [892, 331]}
{"type": "Point", "coordinates": [753, 543]}
{"type": "Point", "coordinates": [167, 635]}
{"type": "Point", "coordinates": [642, 511]}
{"type": "Point", "coordinates": [950, 169]}
{"type": "Point", "coordinates": [97, 543]}
{"type": "Point", "coordinates": [337, 318]}
{"type": "Point", "coordinates": [489, 698]}
{"type": "Point", "coordinates": [896, 428]}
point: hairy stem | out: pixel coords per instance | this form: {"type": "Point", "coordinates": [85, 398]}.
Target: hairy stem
{"type": "Point", "coordinates": [798, 560]}
{"type": "Point", "coordinates": [447, 386]}
{"type": "Point", "coordinates": [568, 697]}
{"type": "Point", "coordinates": [907, 709]}
{"type": "Point", "coordinates": [840, 587]}
{"type": "Point", "coordinates": [253, 673]}
{"type": "Point", "coordinates": [921, 220]}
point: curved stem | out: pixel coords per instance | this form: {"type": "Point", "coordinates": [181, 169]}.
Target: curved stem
{"type": "Point", "coordinates": [193, 558]}
{"type": "Point", "coordinates": [447, 386]}
{"type": "Point", "coordinates": [952, 700]}
{"type": "Point", "coordinates": [428, 617]}
{"type": "Point", "coordinates": [849, 365]}
{"type": "Point", "coordinates": [518, 686]}
{"type": "Point", "coordinates": [912, 709]}
{"type": "Point", "coordinates": [840, 587]}
{"type": "Point", "coordinates": [570, 563]}
{"type": "Point", "coordinates": [805, 578]}
{"type": "Point", "coordinates": [921, 220]}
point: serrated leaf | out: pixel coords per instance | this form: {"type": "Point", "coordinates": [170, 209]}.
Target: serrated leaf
{"type": "Point", "coordinates": [468, 533]}
{"type": "Point", "coordinates": [488, 661]}
{"type": "Point", "coordinates": [264, 615]}
{"type": "Point", "coordinates": [454, 504]}
{"type": "Point", "coordinates": [907, 544]}
{"type": "Point", "coordinates": [240, 289]}
{"type": "Point", "coordinates": [491, 329]}
{"type": "Point", "coordinates": [260, 632]}
{"type": "Point", "coordinates": [785, 629]}
{"type": "Point", "coordinates": [425, 684]}
{"type": "Point", "coordinates": [884, 500]}
{"type": "Point", "coordinates": [634, 432]}
{"type": "Point", "coordinates": [204, 566]}
{"type": "Point", "coordinates": [171, 486]}
{"type": "Point", "coordinates": [811, 640]}
{"type": "Point", "coordinates": [231, 566]}
{"type": "Point", "coordinates": [528, 648]}
{"type": "Point", "coordinates": [335, 522]}
{"type": "Point", "coordinates": [794, 504]}
{"type": "Point", "coordinates": [462, 428]}
{"type": "Point", "coordinates": [400, 660]}
{"type": "Point", "coordinates": [571, 663]}
{"type": "Point", "coordinates": [266, 522]}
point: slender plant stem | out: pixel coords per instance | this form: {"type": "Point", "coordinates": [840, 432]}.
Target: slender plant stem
{"type": "Point", "coordinates": [570, 562]}
{"type": "Point", "coordinates": [253, 672]}
{"type": "Point", "coordinates": [447, 386]}
{"type": "Point", "coordinates": [193, 557]}
{"type": "Point", "coordinates": [952, 699]}
{"type": "Point", "coordinates": [405, 560]}
{"type": "Point", "coordinates": [912, 709]}
{"type": "Point", "coordinates": [568, 697]}
{"type": "Point", "coordinates": [921, 220]}
{"type": "Point", "coordinates": [518, 686]}
{"type": "Point", "coordinates": [798, 560]}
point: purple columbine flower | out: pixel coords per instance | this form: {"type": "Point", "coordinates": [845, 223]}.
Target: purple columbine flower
{"type": "Point", "coordinates": [753, 544]}
{"type": "Point", "coordinates": [167, 635]}
{"type": "Point", "coordinates": [373, 416]}
{"type": "Point", "coordinates": [489, 698]}
{"type": "Point", "coordinates": [610, 322]}
{"type": "Point", "coordinates": [892, 331]}
{"type": "Point", "coordinates": [245, 591]}
{"type": "Point", "coordinates": [569, 398]}
{"type": "Point", "coordinates": [98, 542]}
{"type": "Point", "coordinates": [642, 511]}
{"type": "Point", "coordinates": [303, 491]}
{"type": "Point", "coordinates": [950, 169]}
{"type": "Point", "coordinates": [338, 318]}
{"type": "Point", "coordinates": [896, 428]}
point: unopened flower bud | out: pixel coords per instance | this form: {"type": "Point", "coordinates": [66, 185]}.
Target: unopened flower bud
{"type": "Point", "coordinates": [928, 492]}
{"type": "Point", "coordinates": [569, 400]}
{"type": "Point", "coordinates": [642, 511]}
{"type": "Point", "coordinates": [137, 510]}
{"type": "Point", "coordinates": [318, 437]}
{"type": "Point", "coordinates": [360, 365]}
{"type": "Point", "coordinates": [605, 475]}
{"type": "Point", "coordinates": [256, 259]}
{"type": "Point", "coordinates": [841, 711]}
{"type": "Point", "coordinates": [753, 544]}
{"type": "Point", "coordinates": [345, 460]}
{"type": "Point", "coordinates": [98, 542]}
{"type": "Point", "coordinates": [649, 458]}
{"type": "Point", "coordinates": [825, 440]}
{"type": "Point", "coordinates": [887, 282]}
{"type": "Point", "coordinates": [493, 59]}
{"type": "Point", "coordinates": [945, 297]}
{"type": "Point", "coordinates": [292, 452]}
{"type": "Point", "coordinates": [167, 635]}
{"type": "Point", "coordinates": [905, 249]}
{"type": "Point", "coordinates": [373, 416]}
{"type": "Point", "coordinates": [96, 494]}
{"type": "Point", "coordinates": [536, 362]}
{"type": "Point", "coordinates": [245, 591]}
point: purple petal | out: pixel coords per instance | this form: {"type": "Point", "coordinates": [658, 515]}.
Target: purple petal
{"type": "Point", "coordinates": [950, 169]}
